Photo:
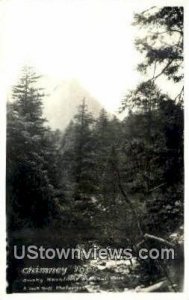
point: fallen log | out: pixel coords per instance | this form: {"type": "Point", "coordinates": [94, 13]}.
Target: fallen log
{"type": "Point", "coordinates": [161, 286]}
{"type": "Point", "coordinates": [158, 239]}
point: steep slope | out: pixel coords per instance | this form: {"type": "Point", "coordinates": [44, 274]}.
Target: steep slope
{"type": "Point", "coordinates": [62, 103]}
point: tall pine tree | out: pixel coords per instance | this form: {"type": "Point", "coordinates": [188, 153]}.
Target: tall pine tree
{"type": "Point", "coordinates": [30, 191]}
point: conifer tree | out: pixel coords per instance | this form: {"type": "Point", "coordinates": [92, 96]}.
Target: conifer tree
{"type": "Point", "coordinates": [30, 192]}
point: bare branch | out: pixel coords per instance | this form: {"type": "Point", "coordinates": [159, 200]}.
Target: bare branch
{"type": "Point", "coordinates": [162, 71]}
{"type": "Point", "coordinates": [179, 94]}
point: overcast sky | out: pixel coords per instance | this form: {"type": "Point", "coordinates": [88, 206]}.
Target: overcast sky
{"type": "Point", "coordinates": [91, 41]}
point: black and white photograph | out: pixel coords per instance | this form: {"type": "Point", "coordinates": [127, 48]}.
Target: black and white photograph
{"type": "Point", "coordinates": [94, 146]}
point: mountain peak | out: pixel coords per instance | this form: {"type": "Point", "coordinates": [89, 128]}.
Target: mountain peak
{"type": "Point", "coordinates": [62, 103]}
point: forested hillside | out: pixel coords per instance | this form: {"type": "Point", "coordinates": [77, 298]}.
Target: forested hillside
{"type": "Point", "coordinates": [104, 180]}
